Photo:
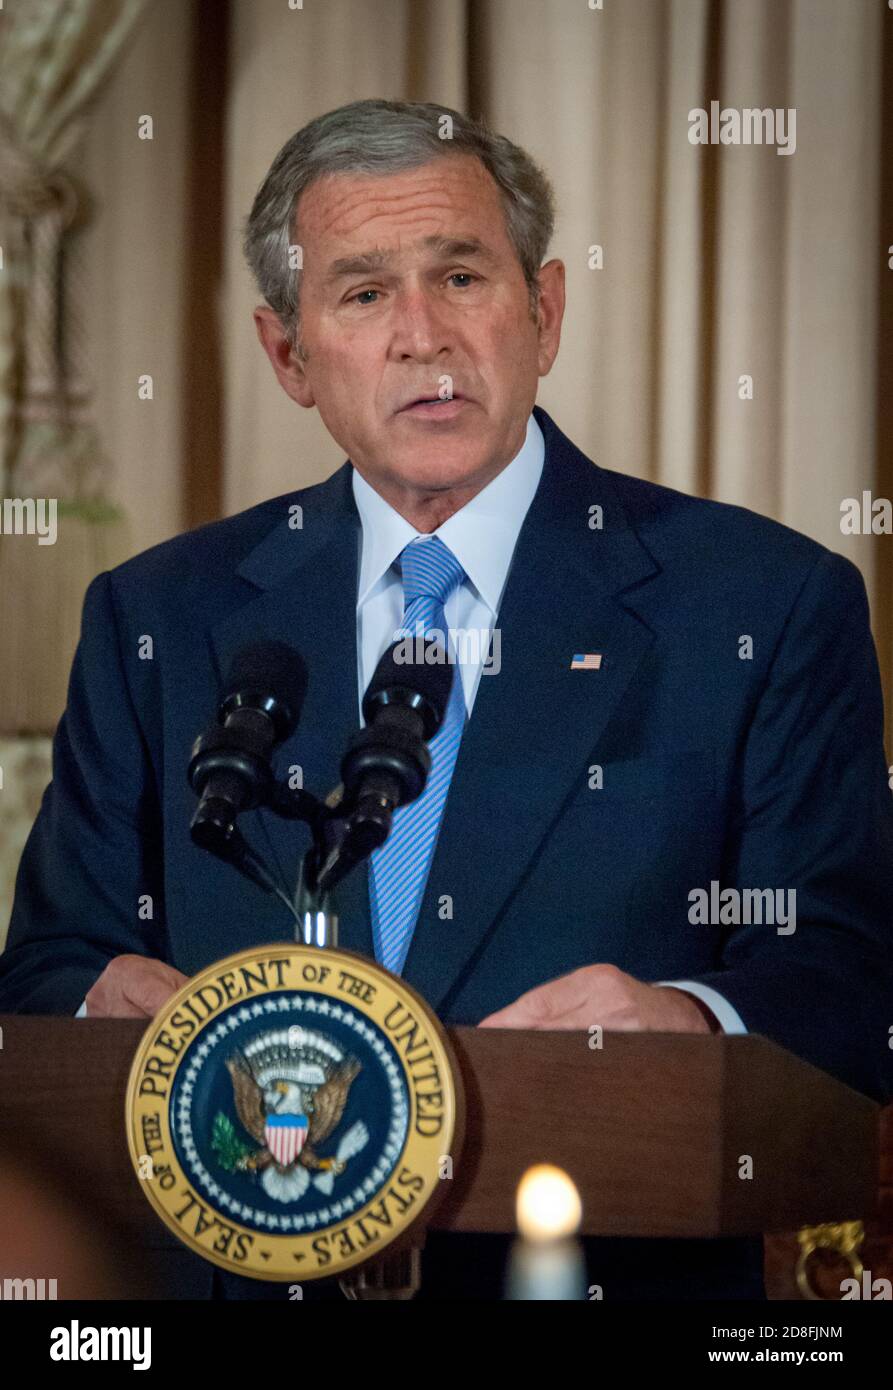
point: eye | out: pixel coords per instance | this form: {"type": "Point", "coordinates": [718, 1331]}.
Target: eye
{"type": "Point", "coordinates": [355, 298]}
{"type": "Point", "coordinates": [462, 275]}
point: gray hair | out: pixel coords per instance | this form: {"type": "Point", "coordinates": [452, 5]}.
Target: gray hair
{"type": "Point", "coordinates": [377, 137]}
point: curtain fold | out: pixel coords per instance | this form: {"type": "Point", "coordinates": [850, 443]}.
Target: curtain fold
{"type": "Point", "coordinates": [54, 54]}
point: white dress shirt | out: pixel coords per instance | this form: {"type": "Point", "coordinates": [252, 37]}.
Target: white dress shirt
{"type": "Point", "coordinates": [482, 535]}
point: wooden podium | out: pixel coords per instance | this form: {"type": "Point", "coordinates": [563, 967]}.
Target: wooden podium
{"type": "Point", "coordinates": [653, 1128]}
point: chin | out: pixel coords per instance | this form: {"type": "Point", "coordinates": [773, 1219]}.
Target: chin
{"type": "Point", "coordinates": [439, 474]}
{"type": "Point", "coordinates": [443, 460]}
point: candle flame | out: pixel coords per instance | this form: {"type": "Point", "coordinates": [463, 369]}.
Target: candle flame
{"type": "Point", "coordinates": [547, 1204]}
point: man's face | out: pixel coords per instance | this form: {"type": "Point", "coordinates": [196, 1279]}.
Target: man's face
{"type": "Point", "coordinates": [412, 289]}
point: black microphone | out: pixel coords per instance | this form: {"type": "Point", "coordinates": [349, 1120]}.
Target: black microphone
{"type": "Point", "coordinates": [230, 769]}
{"type": "Point", "coordinates": [411, 691]}
{"type": "Point", "coordinates": [387, 762]}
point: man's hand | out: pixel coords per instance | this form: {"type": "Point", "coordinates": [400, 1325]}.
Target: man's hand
{"type": "Point", "coordinates": [602, 994]}
{"type": "Point", "coordinates": [133, 987]}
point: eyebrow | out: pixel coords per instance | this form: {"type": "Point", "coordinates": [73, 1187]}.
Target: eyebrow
{"type": "Point", "coordinates": [447, 248]}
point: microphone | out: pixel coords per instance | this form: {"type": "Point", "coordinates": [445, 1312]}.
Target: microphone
{"type": "Point", "coordinates": [421, 688]}
{"type": "Point", "coordinates": [387, 762]}
{"type": "Point", "coordinates": [229, 769]}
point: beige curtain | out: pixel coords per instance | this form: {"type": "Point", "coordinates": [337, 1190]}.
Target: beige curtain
{"type": "Point", "coordinates": [53, 56]}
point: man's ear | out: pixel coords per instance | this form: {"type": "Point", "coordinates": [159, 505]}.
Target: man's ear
{"type": "Point", "coordinates": [284, 358]}
{"type": "Point", "coordinates": [551, 313]}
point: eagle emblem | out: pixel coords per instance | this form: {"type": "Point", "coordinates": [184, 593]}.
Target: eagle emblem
{"type": "Point", "coordinates": [289, 1094]}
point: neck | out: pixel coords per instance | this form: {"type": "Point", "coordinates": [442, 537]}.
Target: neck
{"type": "Point", "coordinates": [427, 509]}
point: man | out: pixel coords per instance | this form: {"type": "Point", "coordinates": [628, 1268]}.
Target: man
{"type": "Point", "coordinates": [687, 695]}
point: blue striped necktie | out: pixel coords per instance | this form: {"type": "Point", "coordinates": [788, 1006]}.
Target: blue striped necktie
{"type": "Point", "coordinates": [399, 870]}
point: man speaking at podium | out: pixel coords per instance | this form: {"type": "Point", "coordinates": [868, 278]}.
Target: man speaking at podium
{"type": "Point", "coordinates": [659, 799]}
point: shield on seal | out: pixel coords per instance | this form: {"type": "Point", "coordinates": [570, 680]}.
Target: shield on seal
{"type": "Point", "coordinates": [285, 1136]}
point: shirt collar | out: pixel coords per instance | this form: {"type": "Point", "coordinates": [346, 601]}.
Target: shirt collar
{"type": "Point", "coordinates": [482, 534]}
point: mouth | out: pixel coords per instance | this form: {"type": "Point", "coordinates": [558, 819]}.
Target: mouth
{"type": "Point", "coordinates": [435, 408]}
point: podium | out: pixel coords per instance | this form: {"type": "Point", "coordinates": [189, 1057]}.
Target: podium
{"type": "Point", "coordinates": [665, 1135]}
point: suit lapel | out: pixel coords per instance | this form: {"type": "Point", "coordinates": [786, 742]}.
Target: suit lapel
{"type": "Point", "coordinates": [307, 581]}
{"type": "Point", "coordinates": [536, 724]}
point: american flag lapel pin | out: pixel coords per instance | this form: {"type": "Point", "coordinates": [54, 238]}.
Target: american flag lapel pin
{"type": "Point", "coordinates": [586, 661]}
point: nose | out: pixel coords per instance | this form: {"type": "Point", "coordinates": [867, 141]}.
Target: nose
{"type": "Point", "coordinates": [421, 330]}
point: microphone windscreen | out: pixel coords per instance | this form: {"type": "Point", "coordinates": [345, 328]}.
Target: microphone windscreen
{"type": "Point", "coordinates": [273, 671]}
{"type": "Point", "coordinates": [432, 680]}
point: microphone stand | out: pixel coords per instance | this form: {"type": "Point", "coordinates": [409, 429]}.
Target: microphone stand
{"type": "Point", "coordinates": [317, 922]}
{"type": "Point", "coordinates": [338, 845]}
{"type": "Point", "coordinates": [397, 1275]}
{"type": "Point", "coordinates": [214, 828]}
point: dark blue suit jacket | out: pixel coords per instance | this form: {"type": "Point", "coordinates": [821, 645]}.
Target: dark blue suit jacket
{"type": "Point", "coordinates": [765, 773]}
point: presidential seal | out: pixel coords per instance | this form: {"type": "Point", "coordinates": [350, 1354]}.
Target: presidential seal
{"type": "Point", "coordinates": [290, 1111]}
